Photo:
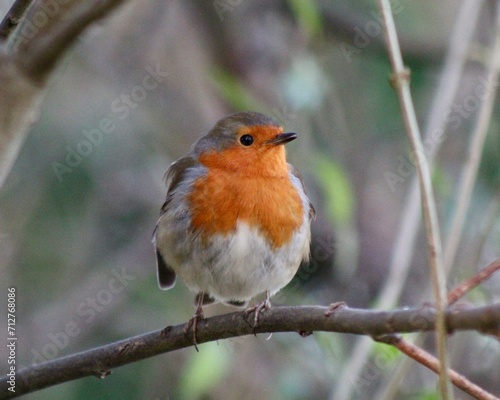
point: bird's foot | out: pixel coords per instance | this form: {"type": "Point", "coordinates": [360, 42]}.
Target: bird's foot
{"type": "Point", "coordinates": [258, 308]}
{"type": "Point", "coordinates": [192, 324]}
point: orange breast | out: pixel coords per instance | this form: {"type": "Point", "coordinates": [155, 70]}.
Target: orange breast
{"type": "Point", "coordinates": [248, 193]}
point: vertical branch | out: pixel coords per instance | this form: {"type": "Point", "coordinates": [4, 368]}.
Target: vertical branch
{"type": "Point", "coordinates": [478, 137]}
{"type": "Point", "coordinates": [400, 81]}
{"type": "Point", "coordinates": [449, 81]}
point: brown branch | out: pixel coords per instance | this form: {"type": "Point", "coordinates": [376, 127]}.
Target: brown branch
{"type": "Point", "coordinates": [12, 18]}
{"type": "Point", "coordinates": [45, 33]}
{"type": "Point", "coordinates": [99, 361]}
{"type": "Point", "coordinates": [466, 286]}
{"type": "Point", "coordinates": [40, 46]}
{"type": "Point", "coordinates": [431, 362]}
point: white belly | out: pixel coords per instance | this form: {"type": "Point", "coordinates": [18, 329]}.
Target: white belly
{"type": "Point", "coordinates": [241, 265]}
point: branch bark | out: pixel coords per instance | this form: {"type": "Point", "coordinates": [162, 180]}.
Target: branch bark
{"type": "Point", "coordinates": [39, 51]}
{"type": "Point", "coordinates": [304, 320]}
{"type": "Point", "coordinates": [13, 17]}
{"type": "Point", "coordinates": [32, 51]}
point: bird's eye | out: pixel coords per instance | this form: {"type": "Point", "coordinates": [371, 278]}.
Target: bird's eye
{"type": "Point", "coordinates": [246, 140]}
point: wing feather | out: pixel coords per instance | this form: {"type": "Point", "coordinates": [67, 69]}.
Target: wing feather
{"type": "Point", "coordinates": [174, 175]}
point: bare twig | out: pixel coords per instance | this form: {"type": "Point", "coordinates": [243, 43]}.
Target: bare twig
{"type": "Point", "coordinates": [466, 286]}
{"type": "Point", "coordinates": [478, 138]}
{"type": "Point", "coordinates": [401, 83]}
{"type": "Point", "coordinates": [100, 361]}
{"type": "Point", "coordinates": [460, 39]}
{"type": "Point", "coordinates": [12, 18]}
{"type": "Point", "coordinates": [447, 87]}
{"type": "Point", "coordinates": [429, 361]}
{"type": "Point", "coordinates": [406, 235]}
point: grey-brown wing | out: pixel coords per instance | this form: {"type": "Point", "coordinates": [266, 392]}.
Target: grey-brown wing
{"type": "Point", "coordinates": [174, 175]}
{"type": "Point", "coordinates": [297, 174]}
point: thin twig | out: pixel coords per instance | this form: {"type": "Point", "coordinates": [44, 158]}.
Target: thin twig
{"type": "Point", "coordinates": [429, 213]}
{"type": "Point", "coordinates": [429, 361]}
{"type": "Point", "coordinates": [451, 74]}
{"type": "Point", "coordinates": [100, 361]}
{"type": "Point", "coordinates": [406, 235]}
{"type": "Point", "coordinates": [12, 18]}
{"type": "Point", "coordinates": [471, 165]}
{"type": "Point", "coordinates": [453, 296]}
{"type": "Point", "coordinates": [466, 286]}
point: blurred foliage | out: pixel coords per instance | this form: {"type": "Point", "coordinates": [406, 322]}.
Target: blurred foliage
{"type": "Point", "coordinates": [63, 241]}
{"type": "Point", "coordinates": [338, 192]}
{"type": "Point", "coordinates": [308, 16]}
{"type": "Point", "coordinates": [203, 371]}
{"type": "Point", "coordinates": [232, 90]}
{"type": "Point", "coordinates": [490, 165]}
{"type": "Point", "coordinates": [426, 395]}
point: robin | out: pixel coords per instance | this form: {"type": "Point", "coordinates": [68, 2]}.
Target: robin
{"type": "Point", "coordinates": [236, 220]}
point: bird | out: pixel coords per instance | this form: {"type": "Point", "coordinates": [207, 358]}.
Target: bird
{"type": "Point", "coordinates": [236, 219]}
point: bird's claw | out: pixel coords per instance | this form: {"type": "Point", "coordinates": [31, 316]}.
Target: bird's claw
{"type": "Point", "coordinates": [258, 308]}
{"type": "Point", "coordinates": [192, 324]}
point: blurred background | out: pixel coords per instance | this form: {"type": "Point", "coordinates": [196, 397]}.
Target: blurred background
{"type": "Point", "coordinates": [78, 210]}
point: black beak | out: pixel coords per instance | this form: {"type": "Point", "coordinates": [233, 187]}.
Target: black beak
{"type": "Point", "coordinates": [282, 138]}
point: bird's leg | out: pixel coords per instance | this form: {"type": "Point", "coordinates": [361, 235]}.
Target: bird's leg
{"type": "Point", "coordinates": [258, 308]}
{"type": "Point", "coordinates": [193, 322]}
